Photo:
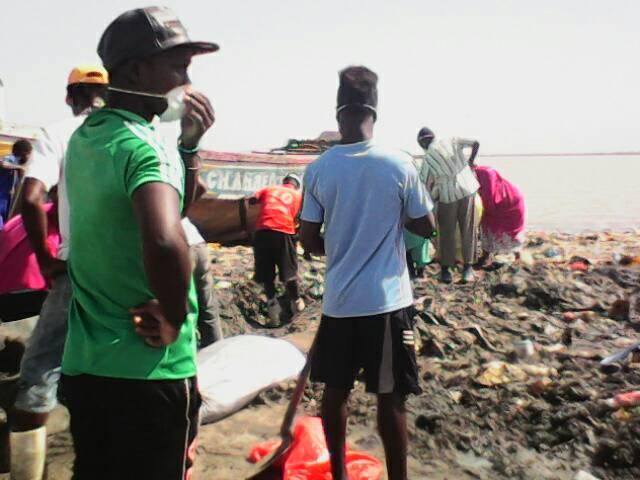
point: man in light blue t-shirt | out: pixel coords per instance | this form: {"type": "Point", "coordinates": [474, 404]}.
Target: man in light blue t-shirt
{"type": "Point", "coordinates": [364, 196]}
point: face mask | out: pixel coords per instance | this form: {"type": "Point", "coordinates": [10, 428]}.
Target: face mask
{"type": "Point", "coordinates": [176, 107]}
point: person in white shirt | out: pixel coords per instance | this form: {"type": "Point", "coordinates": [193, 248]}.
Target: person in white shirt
{"type": "Point", "coordinates": [453, 186]}
{"type": "Point", "coordinates": [209, 328]}
{"type": "Point", "coordinates": [40, 368]}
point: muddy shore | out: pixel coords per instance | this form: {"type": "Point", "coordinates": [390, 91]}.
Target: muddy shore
{"type": "Point", "coordinates": [483, 412]}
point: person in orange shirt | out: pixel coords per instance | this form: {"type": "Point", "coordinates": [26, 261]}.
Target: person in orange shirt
{"type": "Point", "coordinates": [275, 245]}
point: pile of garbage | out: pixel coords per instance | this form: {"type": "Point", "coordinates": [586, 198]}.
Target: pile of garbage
{"type": "Point", "coordinates": [513, 382]}
{"type": "Point", "coordinates": [515, 361]}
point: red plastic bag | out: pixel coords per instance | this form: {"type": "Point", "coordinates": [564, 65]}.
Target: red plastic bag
{"type": "Point", "coordinates": [579, 267]}
{"type": "Point", "coordinates": [308, 458]}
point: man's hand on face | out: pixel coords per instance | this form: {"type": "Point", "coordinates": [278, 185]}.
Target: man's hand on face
{"type": "Point", "coordinates": [199, 117]}
{"type": "Point", "coordinates": [51, 267]}
{"type": "Point", "coordinates": [152, 325]}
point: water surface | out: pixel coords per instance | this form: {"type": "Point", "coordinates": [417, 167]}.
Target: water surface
{"type": "Point", "coordinates": [575, 193]}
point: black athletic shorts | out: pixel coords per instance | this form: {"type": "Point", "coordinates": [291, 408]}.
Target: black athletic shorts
{"type": "Point", "coordinates": [275, 249]}
{"type": "Point", "coordinates": [132, 429]}
{"type": "Point", "coordinates": [383, 346]}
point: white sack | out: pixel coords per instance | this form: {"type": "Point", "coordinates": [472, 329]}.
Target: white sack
{"type": "Point", "coordinates": [233, 371]}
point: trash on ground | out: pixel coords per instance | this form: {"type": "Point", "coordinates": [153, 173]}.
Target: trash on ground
{"type": "Point", "coordinates": [498, 373]}
{"type": "Point", "coordinates": [621, 355]}
{"type": "Point", "coordinates": [624, 400]}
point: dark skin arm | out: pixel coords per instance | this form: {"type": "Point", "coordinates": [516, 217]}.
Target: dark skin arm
{"type": "Point", "coordinates": [199, 117]}
{"type": "Point", "coordinates": [191, 180]}
{"type": "Point", "coordinates": [423, 226]}
{"type": "Point", "coordinates": [166, 262]}
{"type": "Point", "coordinates": [310, 238]}
{"type": "Point", "coordinates": [474, 153]}
{"type": "Point", "coordinates": [11, 166]}
{"type": "Point", "coordinates": [35, 223]}
{"type": "Point", "coordinates": [199, 191]}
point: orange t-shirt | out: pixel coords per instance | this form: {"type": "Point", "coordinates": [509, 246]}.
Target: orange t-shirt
{"type": "Point", "coordinates": [279, 207]}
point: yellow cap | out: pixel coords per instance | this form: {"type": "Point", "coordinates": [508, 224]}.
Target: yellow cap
{"type": "Point", "coordinates": [88, 74]}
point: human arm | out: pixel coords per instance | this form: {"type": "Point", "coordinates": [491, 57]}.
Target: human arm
{"type": "Point", "coordinates": [191, 179]}
{"type": "Point", "coordinates": [35, 223]}
{"type": "Point", "coordinates": [42, 174]}
{"type": "Point", "coordinates": [167, 265]}
{"type": "Point", "coordinates": [199, 117]}
{"type": "Point", "coordinates": [426, 174]}
{"type": "Point", "coordinates": [311, 217]}
{"type": "Point", "coordinates": [310, 237]}
{"type": "Point", "coordinates": [418, 206]}
{"type": "Point", "coordinates": [424, 226]}
{"type": "Point", "coordinates": [4, 165]}
{"type": "Point", "coordinates": [200, 190]}
{"type": "Point", "coordinates": [474, 153]}
{"type": "Point", "coordinates": [256, 198]}
{"type": "Point", "coordinates": [474, 145]}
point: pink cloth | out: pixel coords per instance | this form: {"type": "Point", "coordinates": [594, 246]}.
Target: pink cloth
{"type": "Point", "coordinates": [19, 268]}
{"type": "Point", "coordinates": [503, 204]}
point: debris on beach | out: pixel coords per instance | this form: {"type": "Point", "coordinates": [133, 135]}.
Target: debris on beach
{"type": "Point", "coordinates": [482, 399]}
{"type": "Point", "coordinates": [490, 408]}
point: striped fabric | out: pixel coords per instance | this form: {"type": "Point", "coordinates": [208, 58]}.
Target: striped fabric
{"type": "Point", "coordinates": [446, 170]}
{"type": "Point", "coordinates": [170, 166]}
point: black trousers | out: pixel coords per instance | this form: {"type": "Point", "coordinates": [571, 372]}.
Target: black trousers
{"type": "Point", "coordinates": [132, 429]}
{"type": "Point", "coordinates": [275, 249]}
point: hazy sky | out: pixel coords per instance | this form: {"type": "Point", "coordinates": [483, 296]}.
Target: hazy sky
{"type": "Point", "coordinates": [549, 75]}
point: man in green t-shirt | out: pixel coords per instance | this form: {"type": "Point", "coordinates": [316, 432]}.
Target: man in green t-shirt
{"type": "Point", "coordinates": [129, 371]}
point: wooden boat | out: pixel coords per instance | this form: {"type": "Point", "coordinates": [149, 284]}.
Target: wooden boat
{"type": "Point", "coordinates": [223, 214]}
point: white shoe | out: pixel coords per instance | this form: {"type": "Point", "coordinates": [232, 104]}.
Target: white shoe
{"type": "Point", "coordinates": [297, 305]}
{"type": "Point", "coordinates": [273, 308]}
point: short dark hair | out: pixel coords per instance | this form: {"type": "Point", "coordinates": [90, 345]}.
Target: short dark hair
{"type": "Point", "coordinates": [21, 147]}
{"type": "Point", "coordinates": [425, 132]}
{"type": "Point", "coordinates": [358, 86]}
{"type": "Point", "coordinates": [84, 92]}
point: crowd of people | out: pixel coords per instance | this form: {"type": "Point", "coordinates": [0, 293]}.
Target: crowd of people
{"type": "Point", "coordinates": [130, 292]}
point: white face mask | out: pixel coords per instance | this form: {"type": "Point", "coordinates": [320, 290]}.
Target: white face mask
{"type": "Point", "coordinates": [176, 107]}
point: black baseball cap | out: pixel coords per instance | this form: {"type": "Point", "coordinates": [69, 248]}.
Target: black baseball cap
{"type": "Point", "coordinates": [143, 32]}
{"type": "Point", "coordinates": [425, 132]}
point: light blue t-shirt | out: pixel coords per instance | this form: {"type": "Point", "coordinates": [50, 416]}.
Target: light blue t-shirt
{"type": "Point", "coordinates": [364, 195]}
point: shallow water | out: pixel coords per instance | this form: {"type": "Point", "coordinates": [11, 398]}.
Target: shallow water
{"type": "Point", "coordinates": [574, 194]}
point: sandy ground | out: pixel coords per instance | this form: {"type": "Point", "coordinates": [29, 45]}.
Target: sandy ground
{"type": "Point", "coordinates": [483, 413]}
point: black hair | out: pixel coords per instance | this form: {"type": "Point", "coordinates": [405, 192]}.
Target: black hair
{"type": "Point", "coordinates": [358, 87]}
{"type": "Point", "coordinates": [21, 147]}
{"type": "Point", "coordinates": [289, 179]}
{"type": "Point", "coordinates": [83, 93]}
{"type": "Point", "coordinates": [425, 132]}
